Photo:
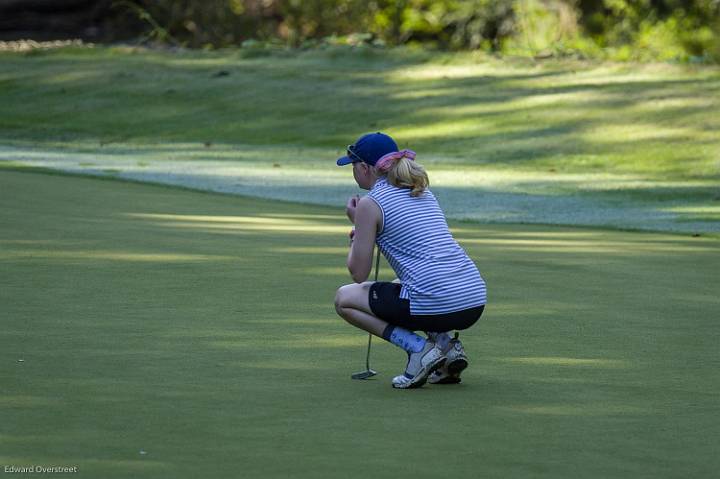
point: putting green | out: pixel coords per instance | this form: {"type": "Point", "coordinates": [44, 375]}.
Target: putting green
{"type": "Point", "coordinates": [156, 332]}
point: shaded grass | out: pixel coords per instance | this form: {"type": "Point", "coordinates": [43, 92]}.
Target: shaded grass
{"type": "Point", "coordinates": [199, 328]}
{"type": "Point", "coordinates": [458, 110]}
{"type": "Point", "coordinates": [559, 142]}
{"type": "Point", "coordinates": [490, 196]}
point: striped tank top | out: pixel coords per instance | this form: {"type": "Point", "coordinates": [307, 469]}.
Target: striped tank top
{"type": "Point", "coordinates": [437, 275]}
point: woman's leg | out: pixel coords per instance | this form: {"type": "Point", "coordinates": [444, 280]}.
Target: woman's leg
{"type": "Point", "coordinates": [353, 305]}
{"type": "Point", "coordinates": [441, 339]}
{"type": "Point", "coordinates": [352, 302]}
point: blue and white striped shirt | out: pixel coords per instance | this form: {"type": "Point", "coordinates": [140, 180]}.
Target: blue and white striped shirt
{"type": "Point", "coordinates": [437, 275]}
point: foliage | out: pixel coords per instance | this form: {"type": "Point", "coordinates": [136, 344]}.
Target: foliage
{"type": "Point", "coordinates": [655, 29]}
{"type": "Point", "coordinates": [619, 29]}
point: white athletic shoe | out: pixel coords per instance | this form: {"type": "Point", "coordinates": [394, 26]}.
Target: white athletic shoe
{"type": "Point", "coordinates": [456, 363]}
{"type": "Point", "coordinates": [420, 365]}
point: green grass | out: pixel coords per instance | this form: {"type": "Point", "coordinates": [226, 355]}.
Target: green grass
{"type": "Point", "coordinates": [458, 109]}
{"type": "Point", "coordinates": [199, 328]}
{"type": "Point", "coordinates": [557, 142]}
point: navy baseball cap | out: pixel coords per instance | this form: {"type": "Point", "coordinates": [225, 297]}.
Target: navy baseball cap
{"type": "Point", "coordinates": [369, 148]}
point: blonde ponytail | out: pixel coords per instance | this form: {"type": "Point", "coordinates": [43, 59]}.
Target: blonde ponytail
{"type": "Point", "coordinates": [405, 173]}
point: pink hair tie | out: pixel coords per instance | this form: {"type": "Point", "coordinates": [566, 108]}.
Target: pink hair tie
{"type": "Point", "coordinates": [384, 163]}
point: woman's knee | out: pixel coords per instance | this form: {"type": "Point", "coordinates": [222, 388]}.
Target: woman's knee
{"type": "Point", "coordinates": [349, 296]}
{"type": "Point", "coordinates": [340, 296]}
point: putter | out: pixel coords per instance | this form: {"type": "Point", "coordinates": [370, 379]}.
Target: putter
{"type": "Point", "coordinates": [368, 373]}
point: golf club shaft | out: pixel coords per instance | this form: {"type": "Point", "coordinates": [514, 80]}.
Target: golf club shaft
{"type": "Point", "coordinates": [377, 262]}
{"type": "Point", "coordinates": [377, 268]}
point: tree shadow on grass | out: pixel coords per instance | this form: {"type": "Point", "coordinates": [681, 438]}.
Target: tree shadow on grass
{"type": "Point", "coordinates": [282, 102]}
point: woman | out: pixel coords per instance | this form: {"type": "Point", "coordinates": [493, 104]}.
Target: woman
{"type": "Point", "coordinates": [439, 289]}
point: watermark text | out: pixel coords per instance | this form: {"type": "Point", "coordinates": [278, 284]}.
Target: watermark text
{"type": "Point", "coordinates": [34, 469]}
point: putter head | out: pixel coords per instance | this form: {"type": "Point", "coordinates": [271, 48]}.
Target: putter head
{"type": "Point", "coordinates": [364, 374]}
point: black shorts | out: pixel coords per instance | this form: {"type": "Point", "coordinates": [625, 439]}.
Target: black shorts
{"type": "Point", "coordinates": [386, 304]}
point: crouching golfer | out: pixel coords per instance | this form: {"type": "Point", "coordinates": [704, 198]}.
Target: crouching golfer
{"type": "Point", "coordinates": [439, 288]}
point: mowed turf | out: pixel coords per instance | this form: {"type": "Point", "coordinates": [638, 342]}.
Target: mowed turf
{"type": "Point", "coordinates": [156, 332]}
{"type": "Point", "coordinates": [561, 141]}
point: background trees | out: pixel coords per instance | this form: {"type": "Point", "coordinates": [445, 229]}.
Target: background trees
{"type": "Point", "coordinates": [623, 29]}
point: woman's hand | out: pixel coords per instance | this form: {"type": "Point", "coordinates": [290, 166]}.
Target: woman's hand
{"type": "Point", "coordinates": [351, 207]}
